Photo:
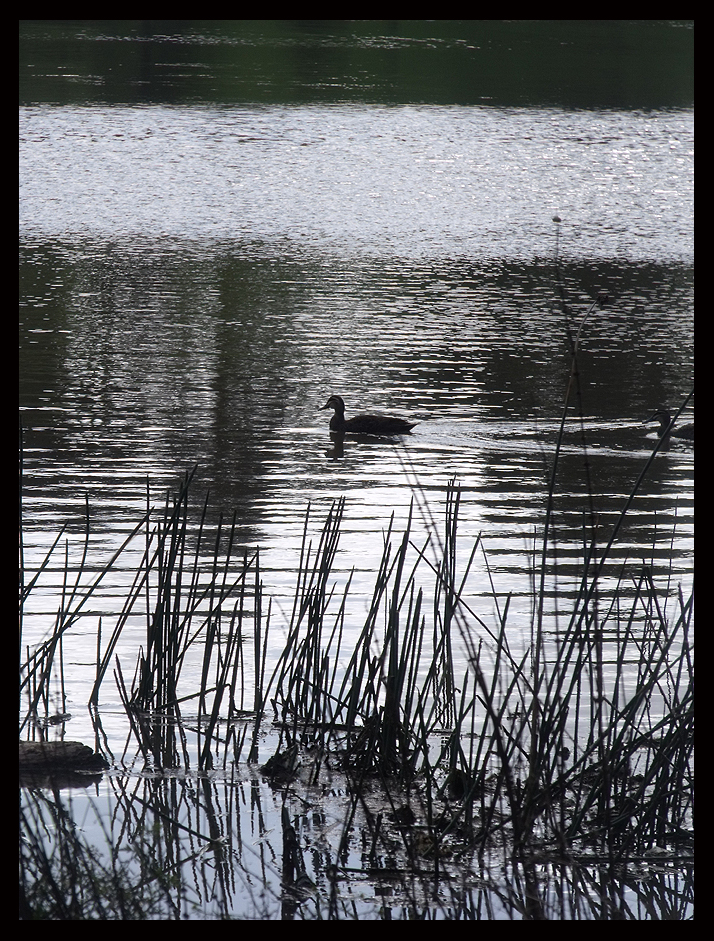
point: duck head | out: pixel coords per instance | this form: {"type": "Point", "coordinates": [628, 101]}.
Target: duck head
{"type": "Point", "coordinates": [335, 402]}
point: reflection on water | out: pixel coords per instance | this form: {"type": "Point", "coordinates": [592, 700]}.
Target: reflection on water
{"type": "Point", "coordinates": [144, 363]}
{"type": "Point", "coordinates": [590, 64]}
{"type": "Point", "coordinates": [197, 279]}
{"type": "Point", "coordinates": [139, 360]}
{"type": "Point", "coordinates": [137, 363]}
{"type": "Point", "coordinates": [224, 859]}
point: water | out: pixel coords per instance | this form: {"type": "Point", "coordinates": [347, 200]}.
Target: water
{"type": "Point", "coordinates": [405, 182]}
{"type": "Point", "coordinates": [198, 276]}
{"type": "Point", "coordinates": [196, 282]}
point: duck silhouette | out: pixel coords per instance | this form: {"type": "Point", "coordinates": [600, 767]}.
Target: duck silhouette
{"type": "Point", "coordinates": [364, 424]}
{"type": "Point", "coordinates": [661, 415]}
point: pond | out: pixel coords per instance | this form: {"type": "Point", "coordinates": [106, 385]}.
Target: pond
{"type": "Point", "coordinates": [221, 225]}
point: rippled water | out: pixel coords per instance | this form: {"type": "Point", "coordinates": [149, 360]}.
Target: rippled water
{"type": "Point", "coordinates": [410, 182]}
{"type": "Point", "coordinates": [218, 231]}
{"type": "Point", "coordinates": [195, 282]}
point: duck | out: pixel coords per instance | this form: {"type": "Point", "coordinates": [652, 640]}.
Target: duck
{"type": "Point", "coordinates": [665, 420]}
{"type": "Point", "coordinates": [364, 424]}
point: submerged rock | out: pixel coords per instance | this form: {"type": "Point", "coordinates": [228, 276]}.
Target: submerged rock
{"type": "Point", "coordinates": [48, 757]}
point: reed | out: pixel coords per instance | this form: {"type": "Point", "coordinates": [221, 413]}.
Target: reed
{"type": "Point", "coordinates": [540, 750]}
{"type": "Point", "coordinates": [539, 727]}
{"type": "Point", "coordinates": [381, 716]}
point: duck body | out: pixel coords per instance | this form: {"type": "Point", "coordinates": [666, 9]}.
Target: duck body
{"type": "Point", "coordinates": [661, 415]}
{"type": "Point", "coordinates": [364, 424]}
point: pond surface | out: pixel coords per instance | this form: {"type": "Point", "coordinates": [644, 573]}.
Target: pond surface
{"type": "Point", "coordinates": [201, 269]}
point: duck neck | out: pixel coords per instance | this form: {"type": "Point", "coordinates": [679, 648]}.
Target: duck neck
{"type": "Point", "coordinates": [337, 422]}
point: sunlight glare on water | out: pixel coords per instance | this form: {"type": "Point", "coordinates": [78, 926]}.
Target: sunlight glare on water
{"type": "Point", "coordinates": [414, 182]}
